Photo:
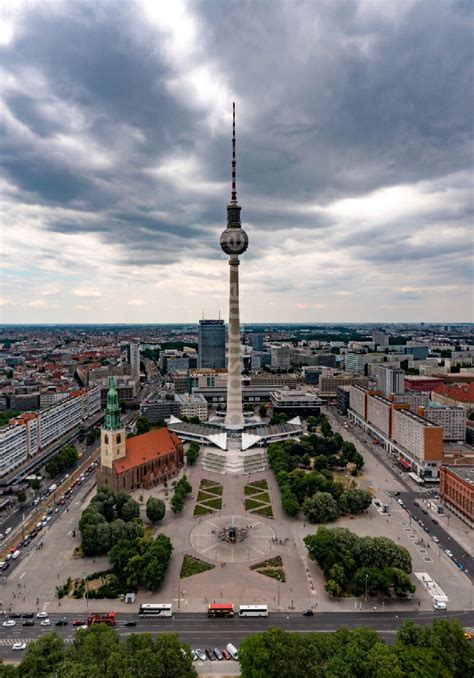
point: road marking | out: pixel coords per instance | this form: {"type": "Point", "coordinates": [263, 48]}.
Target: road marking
{"type": "Point", "coordinates": [22, 575]}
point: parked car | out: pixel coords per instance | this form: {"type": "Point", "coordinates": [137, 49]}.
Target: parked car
{"type": "Point", "coordinates": [210, 654]}
{"type": "Point", "coordinates": [448, 553]}
{"type": "Point", "coordinates": [62, 622]}
{"type": "Point", "coordinates": [42, 615]}
{"type": "Point", "coordinates": [226, 654]}
{"type": "Point", "coordinates": [435, 522]}
{"type": "Point", "coordinates": [19, 646]}
{"type": "Point", "coordinates": [467, 635]}
{"type": "Point", "coordinates": [9, 622]}
{"type": "Point", "coordinates": [201, 655]}
{"type": "Point", "coordinates": [308, 612]}
{"type": "Point", "coordinates": [15, 615]}
{"type": "Point", "coordinates": [440, 605]}
{"type": "Point", "coordinates": [78, 622]}
{"type": "Point", "coordinates": [218, 654]}
{"type": "Point", "coordinates": [45, 622]}
{"type": "Point", "coordinates": [435, 539]}
{"type": "Point", "coordinates": [28, 615]}
{"type": "Point", "coordinates": [130, 622]}
{"type": "Point", "coordinates": [28, 622]}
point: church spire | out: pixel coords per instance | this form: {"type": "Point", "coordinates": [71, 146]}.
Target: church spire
{"type": "Point", "coordinates": [112, 414]}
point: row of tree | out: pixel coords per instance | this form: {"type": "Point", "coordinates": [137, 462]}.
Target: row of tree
{"type": "Point", "coordinates": [353, 564]}
{"type": "Point", "coordinates": [193, 453]}
{"type": "Point", "coordinates": [98, 651]}
{"type": "Point", "coordinates": [64, 459]}
{"type": "Point", "coordinates": [439, 650]}
{"type": "Point", "coordinates": [141, 562]}
{"type": "Point", "coordinates": [181, 490]}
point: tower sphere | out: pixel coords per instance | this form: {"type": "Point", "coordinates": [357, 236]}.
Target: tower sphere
{"type": "Point", "coordinates": [234, 241]}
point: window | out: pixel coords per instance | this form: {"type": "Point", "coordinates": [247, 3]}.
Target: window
{"type": "Point", "coordinates": [106, 439]}
{"type": "Point", "coordinates": [119, 438]}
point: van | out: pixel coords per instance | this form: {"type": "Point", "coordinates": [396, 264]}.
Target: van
{"type": "Point", "coordinates": [16, 555]}
{"type": "Point", "coordinates": [8, 530]}
{"type": "Point", "coordinates": [2, 564]}
{"type": "Point", "coordinates": [232, 650]}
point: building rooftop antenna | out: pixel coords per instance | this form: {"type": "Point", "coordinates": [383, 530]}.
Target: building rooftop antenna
{"type": "Point", "coordinates": [233, 200]}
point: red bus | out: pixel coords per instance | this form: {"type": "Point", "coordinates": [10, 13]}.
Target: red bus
{"type": "Point", "coordinates": [101, 618]}
{"type": "Point", "coordinates": [220, 610]}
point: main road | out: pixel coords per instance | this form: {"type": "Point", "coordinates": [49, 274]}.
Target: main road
{"type": "Point", "coordinates": [199, 631]}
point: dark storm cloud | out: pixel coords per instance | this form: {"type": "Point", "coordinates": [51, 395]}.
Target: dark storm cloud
{"type": "Point", "coordinates": [335, 99]}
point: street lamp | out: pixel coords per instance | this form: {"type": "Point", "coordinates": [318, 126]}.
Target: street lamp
{"type": "Point", "coordinates": [278, 591]}
{"type": "Point", "coordinates": [366, 582]}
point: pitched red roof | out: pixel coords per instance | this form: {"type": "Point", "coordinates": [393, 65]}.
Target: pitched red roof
{"type": "Point", "coordinates": [146, 448]}
{"type": "Point", "coordinates": [463, 393]}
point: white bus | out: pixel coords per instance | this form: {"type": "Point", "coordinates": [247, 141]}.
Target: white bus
{"type": "Point", "coordinates": [253, 611]}
{"type": "Point", "coordinates": [155, 610]}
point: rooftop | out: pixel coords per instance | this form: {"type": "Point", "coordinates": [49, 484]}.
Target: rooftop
{"type": "Point", "coordinates": [147, 448]}
{"type": "Point", "coordinates": [464, 472]}
{"type": "Point", "coordinates": [464, 393]}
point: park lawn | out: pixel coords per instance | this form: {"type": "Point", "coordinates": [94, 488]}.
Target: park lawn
{"type": "Point", "coordinates": [200, 510]}
{"type": "Point", "coordinates": [265, 511]}
{"type": "Point", "coordinates": [271, 562]}
{"type": "Point", "coordinates": [264, 496]}
{"type": "Point", "coordinates": [215, 503]}
{"type": "Point", "coordinates": [216, 489]}
{"type": "Point", "coordinates": [250, 489]}
{"type": "Point", "coordinates": [207, 483]}
{"type": "Point", "coordinates": [262, 484]}
{"type": "Point", "coordinates": [252, 503]}
{"type": "Point", "coordinates": [203, 495]}
{"type": "Point", "coordinates": [192, 565]}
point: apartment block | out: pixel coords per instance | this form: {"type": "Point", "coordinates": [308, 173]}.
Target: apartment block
{"type": "Point", "coordinates": [281, 356]}
{"type": "Point", "coordinates": [417, 435]}
{"type": "Point", "coordinates": [355, 363]}
{"type": "Point", "coordinates": [461, 395]}
{"type": "Point", "coordinates": [451, 419]}
{"type": "Point", "coordinates": [328, 384]}
{"type": "Point", "coordinates": [358, 400]}
{"type": "Point", "coordinates": [379, 413]}
{"type": "Point", "coordinates": [390, 380]}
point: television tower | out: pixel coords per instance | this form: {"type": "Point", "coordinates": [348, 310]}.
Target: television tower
{"type": "Point", "coordinates": [234, 241]}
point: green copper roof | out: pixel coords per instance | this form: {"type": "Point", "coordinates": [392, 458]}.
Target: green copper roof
{"type": "Point", "coordinates": [112, 415]}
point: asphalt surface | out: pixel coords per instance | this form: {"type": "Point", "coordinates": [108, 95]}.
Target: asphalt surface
{"type": "Point", "coordinates": [201, 632]}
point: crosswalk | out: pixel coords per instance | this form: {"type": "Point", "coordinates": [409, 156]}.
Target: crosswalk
{"type": "Point", "coordinates": [8, 642]}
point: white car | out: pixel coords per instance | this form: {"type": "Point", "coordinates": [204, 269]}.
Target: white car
{"type": "Point", "coordinates": [440, 605]}
{"type": "Point", "coordinates": [83, 626]}
{"type": "Point", "coordinates": [435, 539]}
{"type": "Point", "coordinates": [449, 553]}
{"type": "Point", "coordinates": [42, 615]}
{"type": "Point", "coordinates": [45, 622]}
{"type": "Point", "coordinates": [19, 646]}
{"type": "Point", "coordinates": [9, 622]}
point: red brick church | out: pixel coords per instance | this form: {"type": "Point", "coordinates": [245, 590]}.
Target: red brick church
{"type": "Point", "coordinates": [139, 462]}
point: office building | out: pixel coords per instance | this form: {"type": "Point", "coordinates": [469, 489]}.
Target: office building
{"type": "Point", "coordinates": [257, 342]}
{"type": "Point", "coordinates": [281, 356]}
{"type": "Point", "coordinates": [328, 384]}
{"type": "Point", "coordinates": [192, 405]}
{"type": "Point", "coordinates": [390, 380]}
{"type": "Point", "coordinates": [456, 489]}
{"type": "Point", "coordinates": [343, 399]}
{"type": "Point", "coordinates": [159, 410]}
{"type": "Point", "coordinates": [380, 338]}
{"type": "Point", "coordinates": [294, 403]}
{"type": "Point", "coordinates": [133, 356]}
{"type": "Point", "coordinates": [354, 363]}
{"type": "Point", "coordinates": [211, 341]}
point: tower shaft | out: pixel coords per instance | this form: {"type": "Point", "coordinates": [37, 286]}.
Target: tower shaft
{"type": "Point", "coordinates": [234, 416]}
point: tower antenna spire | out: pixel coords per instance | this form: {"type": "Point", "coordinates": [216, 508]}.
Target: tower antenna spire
{"type": "Point", "coordinates": [234, 162]}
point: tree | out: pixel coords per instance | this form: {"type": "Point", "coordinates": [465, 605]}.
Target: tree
{"type": "Point", "coordinates": [35, 484]}
{"type": "Point", "coordinates": [354, 501]}
{"type": "Point", "coordinates": [177, 503]}
{"type": "Point", "coordinates": [193, 453]}
{"type": "Point", "coordinates": [130, 510]}
{"type": "Point", "coordinates": [262, 410]}
{"type": "Point", "coordinates": [21, 496]}
{"type": "Point", "coordinates": [321, 508]}
{"type": "Point", "coordinates": [143, 425]}
{"type": "Point", "coordinates": [320, 462]}
{"type": "Point", "coordinates": [120, 554]}
{"type": "Point", "coordinates": [289, 503]}
{"type": "Point", "coordinates": [43, 657]}
{"type": "Point", "coordinates": [155, 510]}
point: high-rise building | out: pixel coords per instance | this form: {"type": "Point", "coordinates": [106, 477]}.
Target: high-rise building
{"type": "Point", "coordinates": [281, 356]}
{"type": "Point", "coordinates": [133, 356]}
{"type": "Point", "coordinates": [355, 363]}
{"type": "Point", "coordinates": [211, 340]}
{"type": "Point", "coordinates": [380, 338]}
{"type": "Point", "coordinates": [257, 342]}
{"type": "Point", "coordinates": [390, 380]}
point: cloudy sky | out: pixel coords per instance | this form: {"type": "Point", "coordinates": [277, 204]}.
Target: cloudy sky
{"type": "Point", "coordinates": [354, 122]}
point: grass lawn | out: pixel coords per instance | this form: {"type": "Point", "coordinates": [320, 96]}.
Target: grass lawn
{"type": "Point", "coordinates": [208, 483]}
{"type": "Point", "coordinates": [251, 504]}
{"type": "Point", "coordinates": [215, 503]}
{"type": "Point", "coordinates": [201, 510]}
{"type": "Point", "coordinates": [216, 489]}
{"type": "Point", "coordinates": [262, 484]}
{"type": "Point", "coordinates": [264, 496]}
{"type": "Point", "coordinates": [264, 511]}
{"type": "Point", "coordinates": [272, 562]}
{"type": "Point", "coordinates": [274, 574]}
{"type": "Point", "coordinates": [202, 496]}
{"type": "Point", "coordinates": [192, 566]}
{"type": "Point", "coordinates": [250, 489]}
{"type": "Point", "coordinates": [271, 568]}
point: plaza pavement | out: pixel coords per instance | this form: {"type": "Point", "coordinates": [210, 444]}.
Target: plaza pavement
{"type": "Point", "coordinates": [32, 584]}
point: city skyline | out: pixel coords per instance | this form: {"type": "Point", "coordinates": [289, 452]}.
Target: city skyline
{"type": "Point", "coordinates": [354, 161]}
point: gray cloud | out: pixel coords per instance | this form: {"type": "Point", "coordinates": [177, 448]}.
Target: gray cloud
{"type": "Point", "coordinates": [336, 100]}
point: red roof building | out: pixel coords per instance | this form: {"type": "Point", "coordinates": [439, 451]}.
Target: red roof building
{"type": "Point", "coordinates": [459, 395]}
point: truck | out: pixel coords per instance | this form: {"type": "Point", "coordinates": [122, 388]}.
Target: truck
{"type": "Point", "coordinates": [52, 489]}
